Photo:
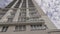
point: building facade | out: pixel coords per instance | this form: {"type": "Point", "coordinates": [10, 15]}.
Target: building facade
{"type": "Point", "coordinates": [25, 17]}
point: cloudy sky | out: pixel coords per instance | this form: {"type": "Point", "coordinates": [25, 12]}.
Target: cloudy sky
{"type": "Point", "coordinates": [50, 7]}
{"type": "Point", "coordinates": [4, 3]}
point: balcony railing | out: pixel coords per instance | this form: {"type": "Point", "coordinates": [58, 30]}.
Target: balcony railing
{"type": "Point", "coordinates": [22, 16]}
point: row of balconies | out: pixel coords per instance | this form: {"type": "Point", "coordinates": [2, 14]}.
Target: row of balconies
{"type": "Point", "coordinates": [31, 16]}
{"type": "Point", "coordinates": [22, 21]}
{"type": "Point", "coordinates": [22, 16]}
{"type": "Point", "coordinates": [34, 13]}
{"type": "Point", "coordinates": [36, 19]}
{"type": "Point", "coordinates": [30, 4]}
{"type": "Point", "coordinates": [31, 13]}
{"type": "Point", "coordinates": [10, 18]}
{"type": "Point", "coordinates": [27, 29]}
{"type": "Point", "coordinates": [23, 27]}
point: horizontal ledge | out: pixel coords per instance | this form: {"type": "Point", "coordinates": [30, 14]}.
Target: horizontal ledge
{"type": "Point", "coordinates": [20, 23]}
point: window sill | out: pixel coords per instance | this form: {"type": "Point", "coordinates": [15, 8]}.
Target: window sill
{"type": "Point", "coordinates": [19, 30]}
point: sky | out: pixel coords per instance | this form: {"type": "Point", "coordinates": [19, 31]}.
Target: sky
{"type": "Point", "coordinates": [4, 3]}
{"type": "Point", "coordinates": [50, 7]}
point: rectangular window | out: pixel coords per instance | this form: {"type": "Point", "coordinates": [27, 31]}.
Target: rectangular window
{"type": "Point", "coordinates": [10, 19]}
{"type": "Point", "coordinates": [37, 27]}
{"type": "Point", "coordinates": [23, 9]}
{"type": "Point", "coordinates": [20, 28]}
{"type": "Point", "coordinates": [4, 29]}
{"type": "Point", "coordinates": [22, 19]}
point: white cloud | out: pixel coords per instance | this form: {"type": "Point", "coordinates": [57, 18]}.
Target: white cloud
{"type": "Point", "coordinates": [52, 9]}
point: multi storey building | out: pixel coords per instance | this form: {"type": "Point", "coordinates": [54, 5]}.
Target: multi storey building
{"type": "Point", "coordinates": [25, 17]}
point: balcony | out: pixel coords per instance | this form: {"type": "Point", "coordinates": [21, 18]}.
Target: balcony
{"type": "Point", "coordinates": [11, 16]}
{"type": "Point", "coordinates": [10, 19]}
{"type": "Point", "coordinates": [34, 15]}
{"type": "Point", "coordinates": [22, 20]}
{"type": "Point", "coordinates": [22, 14]}
{"type": "Point", "coordinates": [38, 27]}
{"type": "Point", "coordinates": [23, 9]}
{"type": "Point", "coordinates": [36, 20]}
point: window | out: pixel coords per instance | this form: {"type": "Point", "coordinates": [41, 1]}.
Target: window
{"type": "Point", "coordinates": [20, 28]}
{"type": "Point", "coordinates": [37, 27]}
{"type": "Point", "coordinates": [34, 19]}
{"type": "Point", "coordinates": [4, 29]}
{"type": "Point", "coordinates": [23, 10]}
{"type": "Point", "coordinates": [32, 9]}
{"type": "Point", "coordinates": [23, 14]}
{"type": "Point", "coordinates": [22, 19]}
{"type": "Point", "coordinates": [10, 19]}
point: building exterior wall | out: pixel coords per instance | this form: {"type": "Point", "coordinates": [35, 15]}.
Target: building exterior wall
{"type": "Point", "coordinates": [47, 26]}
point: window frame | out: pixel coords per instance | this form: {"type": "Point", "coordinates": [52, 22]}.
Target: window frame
{"type": "Point", "coordinates": [19, 28]}
{"type": "Point", "coordinates": [4, 28]}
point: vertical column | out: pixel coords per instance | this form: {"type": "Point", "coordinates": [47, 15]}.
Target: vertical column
{"type": "Point", "coordinates": [1, 28]}
{"type": "Point", "coordinates": [28, 28]}
{"type": "Point", "coordinates": [11, 29]}
{"type": "Point", "coordinates": [15, 19]}
{"type": "Point", "coordinates": [4, 18]}
{"type": "Point", "coordinates": [27, 10]}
